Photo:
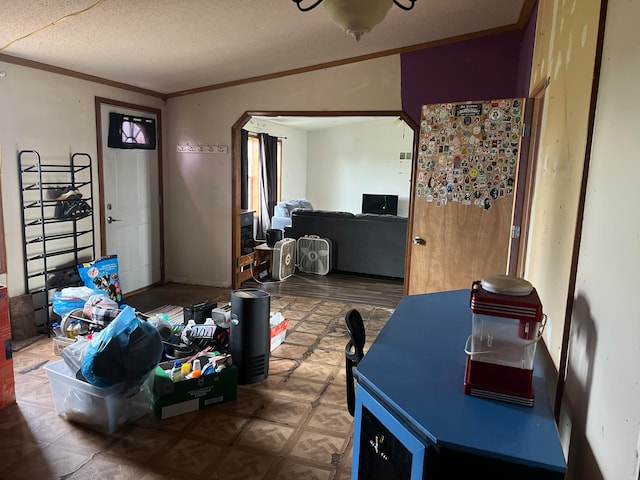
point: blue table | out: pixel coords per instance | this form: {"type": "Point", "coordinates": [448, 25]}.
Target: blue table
{"type": "Point", "coordinates": [411, 379]}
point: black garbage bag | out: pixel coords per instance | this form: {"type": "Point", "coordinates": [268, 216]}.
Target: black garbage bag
{"type": "Point", "coordinates": [125, 351]}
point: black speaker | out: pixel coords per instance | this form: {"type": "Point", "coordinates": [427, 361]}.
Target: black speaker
{"type": "Point", "coordinates": [250, 334]}
{"type": "Point", "coordinates": [273, 236]}
{"type": "Point", "coordinates": [246, 232]}
{"type": "Point", "coordinates": [246, 239]}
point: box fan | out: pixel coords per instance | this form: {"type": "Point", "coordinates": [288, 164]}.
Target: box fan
{"type": "Point", "coordinates": [314, 254]}
{"type": "Point", "coordinates": [284, 259]}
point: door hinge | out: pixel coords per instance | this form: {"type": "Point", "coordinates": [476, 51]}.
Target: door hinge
{"type": "Point", "coordinates": [515, 231]}
{"type": "Point", "coordinates": [526, 129]}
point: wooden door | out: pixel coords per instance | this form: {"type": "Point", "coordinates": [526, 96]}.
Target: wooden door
{"type": "Point", "coordinates": [463, 193]}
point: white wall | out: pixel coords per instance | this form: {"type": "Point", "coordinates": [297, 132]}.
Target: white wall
{"type": "Point", "coordinates": [333, 167]}
{"type": "Point", "coordinates": [54, 115]}
{"type": "Point", "coordinates": [601, 414]}
{"type": "Point", "coordinates": [345, 162]}
{"type": "Point", "coordinates": [198, 194]}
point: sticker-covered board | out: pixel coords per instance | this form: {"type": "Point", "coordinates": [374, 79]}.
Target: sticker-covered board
{"type": "Point", "coordinates": [468, 152]}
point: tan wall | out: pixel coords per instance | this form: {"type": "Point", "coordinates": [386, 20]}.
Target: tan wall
{"type": "Point", "coordinates": [564, 53]}
{"type": "Point", "coordinates": [198, 187]}
{"type": "Point", "coordinates": [54, 115]}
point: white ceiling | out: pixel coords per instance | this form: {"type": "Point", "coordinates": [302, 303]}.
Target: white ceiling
{"type": "Point", "coordinates": [170, 46]}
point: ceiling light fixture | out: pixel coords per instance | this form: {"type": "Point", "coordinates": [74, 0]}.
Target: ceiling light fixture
{"type": "Point", "coordinates": [356, 17]}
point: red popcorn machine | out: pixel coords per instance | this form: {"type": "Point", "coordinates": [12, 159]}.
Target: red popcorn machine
{"type": "Point", "coordinates": [507, 322]}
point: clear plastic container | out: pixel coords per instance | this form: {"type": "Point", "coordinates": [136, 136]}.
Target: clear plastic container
{"type": "Point", "coordinates": [498, 340]}
{"type": "Point", "coordinates": [102, 409]}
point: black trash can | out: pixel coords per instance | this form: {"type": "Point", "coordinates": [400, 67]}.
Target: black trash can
{"type": "Point", "coordinates": [250, 334]}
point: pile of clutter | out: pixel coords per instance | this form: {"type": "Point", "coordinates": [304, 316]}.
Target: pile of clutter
{"type": "Point", "coordinates": [93, 314]}
{"type": "Point", "coordinates": [118, 364]}
{"type": "Point", "coordinates": [202, 328]}
{"type": "Point", "coordinates": [198, 347]}
{"type": "Point", "coordinates": [104, 379]}
{"type": "Point", "coordinates": [115, 359]}
{"type": "Point", "coordinates": [108, 343]}
{"type": "Point", "coordinates": [90, 307]}
{"type": "Point", "coordinates": [201, 364]}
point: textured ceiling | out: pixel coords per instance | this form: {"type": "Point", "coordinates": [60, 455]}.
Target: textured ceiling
{"type": "Point", "coordinates": [170, 46]}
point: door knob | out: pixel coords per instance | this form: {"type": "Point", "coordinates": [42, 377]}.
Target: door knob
{"type": "Point", "coordinates": [110, 219]}
{"type": "Point", "coordinates": [419, 241]}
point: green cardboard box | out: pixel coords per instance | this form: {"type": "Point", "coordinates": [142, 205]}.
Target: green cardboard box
{"type": "Point", "coordinates": [170, 399]}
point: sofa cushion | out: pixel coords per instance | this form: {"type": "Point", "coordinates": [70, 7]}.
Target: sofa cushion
{"type": "Point", "coordinates": [381, 217]}
{"type": "Point", "coordinates": [323, 213]}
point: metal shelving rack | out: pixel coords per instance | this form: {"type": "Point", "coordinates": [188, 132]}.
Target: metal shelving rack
{"type": "Point", "coordinates": [51, 245]}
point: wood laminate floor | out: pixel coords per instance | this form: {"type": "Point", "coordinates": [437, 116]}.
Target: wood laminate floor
{"type": "Point", "coordinates": [380, 291]}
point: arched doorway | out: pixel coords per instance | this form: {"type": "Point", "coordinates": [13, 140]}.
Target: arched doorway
{"type": "Point", "coordinates": [237, 262]}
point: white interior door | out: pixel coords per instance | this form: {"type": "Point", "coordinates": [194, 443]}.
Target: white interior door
{"type": "Point", "coordinates": [131, 208]}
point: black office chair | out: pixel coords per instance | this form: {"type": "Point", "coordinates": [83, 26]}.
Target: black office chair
{"type": "Point", "coordinates": [353, 353]}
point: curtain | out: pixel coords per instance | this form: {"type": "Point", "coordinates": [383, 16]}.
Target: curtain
{"type": "Point", "coordinates": [244, 170]}
{"type": "Point", "coordinates": [268, 182]}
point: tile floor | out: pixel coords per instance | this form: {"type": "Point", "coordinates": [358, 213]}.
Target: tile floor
{"type": "Point", "coordinates": [294, 425]}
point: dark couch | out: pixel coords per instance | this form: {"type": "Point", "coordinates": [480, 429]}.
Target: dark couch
{"type": "Point", "coordinates": [362, 243]}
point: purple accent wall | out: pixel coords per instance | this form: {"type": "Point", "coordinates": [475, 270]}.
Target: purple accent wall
{"type": "Point", "coordinates": [526, 54]}
{"type": "Point", "coordinates": [479, 69]}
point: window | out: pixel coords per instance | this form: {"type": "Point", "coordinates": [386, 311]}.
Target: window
{"type": "Point", "coordinates": [253, 149]}
{"type": "Point", "coordinates": [128, 131]}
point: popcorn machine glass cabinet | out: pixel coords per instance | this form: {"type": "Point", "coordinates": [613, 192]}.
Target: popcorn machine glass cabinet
{"type": "Point", "coordinates": [506, 326]}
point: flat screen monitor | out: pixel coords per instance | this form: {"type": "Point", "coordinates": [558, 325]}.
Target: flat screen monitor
{"type": "Point", "coordinates": [380, 204]}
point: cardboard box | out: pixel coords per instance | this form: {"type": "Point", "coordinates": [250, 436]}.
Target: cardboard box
{"type": "Point", "coordinates": [175, 398]}
{"type": "Point", "coordinates": [278, 333]}
{"type": "Point", "coordinates": [60, 343]}
{"type": "Point", "coordinates": [7, 382]}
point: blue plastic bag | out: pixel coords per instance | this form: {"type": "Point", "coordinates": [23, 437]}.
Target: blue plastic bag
{"type": "Point", "coordinates": [63, 305]}
{"type": "Point", "coordinates": [125, 351]}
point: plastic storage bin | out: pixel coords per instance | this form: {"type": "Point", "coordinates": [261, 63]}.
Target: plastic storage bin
{"type": "Point", "coordinates": [102, 409]}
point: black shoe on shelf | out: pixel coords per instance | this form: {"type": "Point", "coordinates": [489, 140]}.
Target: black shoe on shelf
{"type": "Point", "coordinates": [70, 209]}
{"type": "Point", "coordinates": [64, 193]}
{"type": "Point", "coordinates": [66, 277]}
